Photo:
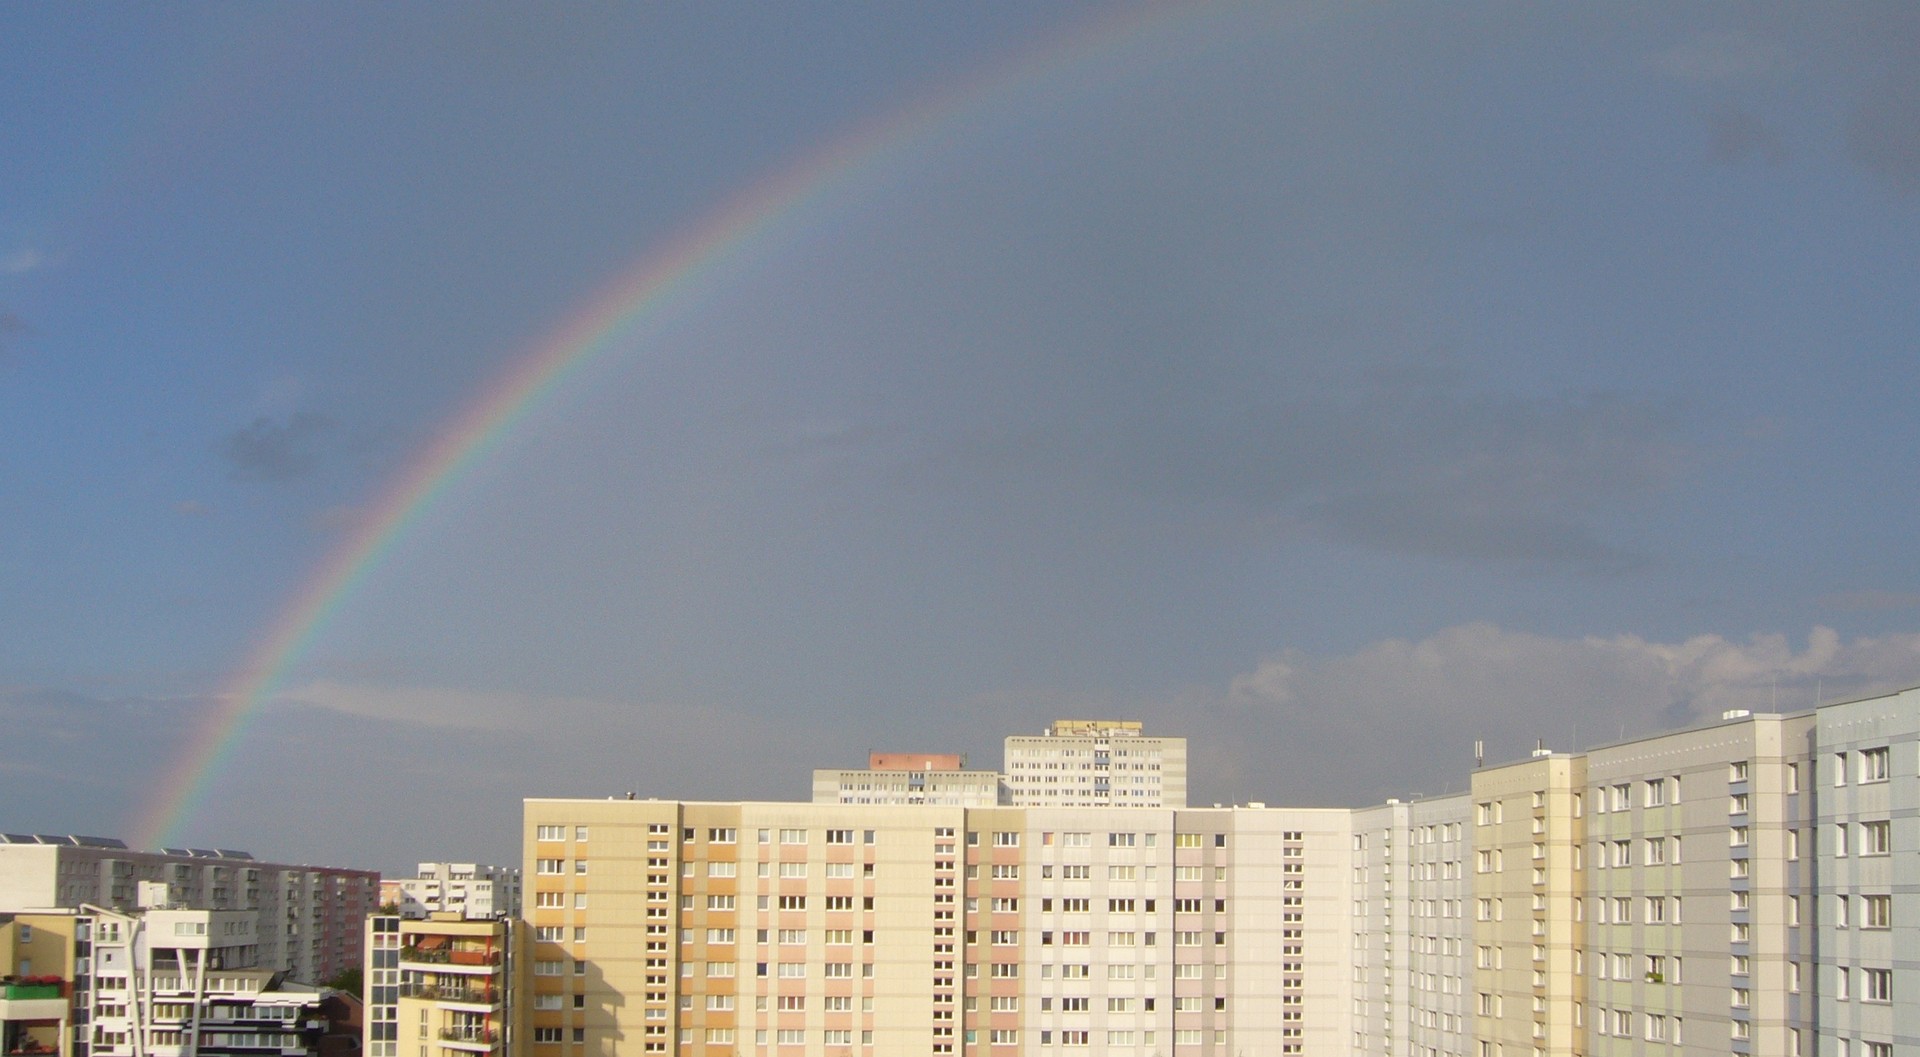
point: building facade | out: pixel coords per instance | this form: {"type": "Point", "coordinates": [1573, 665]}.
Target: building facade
{"type": "Point", "coordinates": [826, 929]}
{"type": "Point", "coordinates": [471, 890]}
{"type": "Point", "coordinates": [1096, 763]}
{"type": "Point", "coordinates": [441, 986]}
{"type": "Point", "coordinates": [934, 779]}
{"type": "Point", "coordinates": [308, 920]}
{"type": "Point", "coordinates": [1741, 887]}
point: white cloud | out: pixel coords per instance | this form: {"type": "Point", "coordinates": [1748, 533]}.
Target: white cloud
{"type": "Point", "coordinates": [22, 261]}
{"type": "Point", "coordinates": [1399, 717]}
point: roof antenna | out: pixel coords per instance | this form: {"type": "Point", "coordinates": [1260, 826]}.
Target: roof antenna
{"type": "Point", "coordinates": [1479, 753]}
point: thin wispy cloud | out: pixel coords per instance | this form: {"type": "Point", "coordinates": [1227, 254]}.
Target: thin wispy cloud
{"type": "Point", "coordinates": [276, 451]}
{"type": "Point", "coordinates": [21, 261]}
{"type": "Point", "coordinates": [1736, 136]}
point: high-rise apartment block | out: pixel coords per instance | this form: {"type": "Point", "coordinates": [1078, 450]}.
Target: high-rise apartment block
{"type": "Point", "coordinates": [440, 986]}
{"type": "Point", "coordinates": [1096, 763]}
{"type": "Point", "coordinates": [1743, 887]}
{"type": "Point", "coordinates": [466, 889]}
{"type": "Point", "coordinates": [938, 779]}
{"type": "Point", "coordinates": [307, 919]}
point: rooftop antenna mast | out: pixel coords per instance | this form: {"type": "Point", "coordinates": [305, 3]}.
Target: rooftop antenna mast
{"type": "Point", "coordinates": [1479, 753]}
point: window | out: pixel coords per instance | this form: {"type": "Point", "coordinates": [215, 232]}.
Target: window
{"type": "Point", "coordinates": [1873, 765]}
{"type": "Point", "coordinates": [1120, 840]}
{"type": "Point", "coordinates": [1656, 792]}
{"type": "Point", "coordinates": [1874, 838]}
{"type": "Point", "coordinates": [549, 866]}
{"type": "Point", "coordinates": [1876, 985]}
{"type": "Point", "coordinates": [1006, 839]}
{"type": "Point", "coordinates": [1840, 840]}
{"type": "Point", "coordinates": [1737, 771]}
{"type": "Point", "coordinates": [550, 833]}
{"type": "Point", "coordinates": [1876, 912]}
{"type": "Point", "coordinates": [721, 836]}
{"type": "Point", "coordinates": [839, 836]}
{"type": "Point", "coordinates": [1839, 769]}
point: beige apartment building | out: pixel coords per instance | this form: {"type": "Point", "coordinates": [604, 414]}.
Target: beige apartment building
{"type": "Point", "coordinates": [1527, 840]}
{"type": "Point", "coordinates": [812, 929]}
{"type": "Point", "coordinates": [1741, 887]}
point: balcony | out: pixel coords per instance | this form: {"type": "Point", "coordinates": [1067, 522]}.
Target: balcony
{"type": "Point", "coordinates": [454, 961]}
{"type": "Point", "coordinates": [481, 1039]}
{"type": "Point", "coordinates": [470, 996]}
{"type": "Point", "coordinates": [33, 998]}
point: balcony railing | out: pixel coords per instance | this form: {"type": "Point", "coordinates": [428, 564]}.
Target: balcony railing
{"type": "Point", "coordinates": [33, 990]}
{"type": "Point", "coordinates": [445, 993]}
{"type": "Point", "coordinates": [444, 957]}
{"type": "Point", "coordinates": [478, 1035]}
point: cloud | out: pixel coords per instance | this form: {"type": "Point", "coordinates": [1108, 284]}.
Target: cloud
{"type": "Point", "coordinates": [267, 450]}
{"type": "Point", "coordinates": [1399, 717]}
{"type": "Point", "coordinates": [1396, 717]}
{"type": "Point", "coordinates": [1736, 137]}
{"type": "Point", "coordinates": [1883, 132]}
{"type": "Point", "coordinates": [1719, 55]}
{"type": "Point", "coordinates": [22, 261]}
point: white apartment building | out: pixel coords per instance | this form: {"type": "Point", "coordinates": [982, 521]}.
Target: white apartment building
{"type": "Point", "coordinates": [935, 779]}
{"type": "Point", "coordinates": [187, 983]}
{"type": "Point", "coordinates": [471, 890]}
{"type": "Point", "coordinates": [1096, 763]}
{"type": "Point", "coordinates": [1740, 887]}
{"type": "Point", "coordinates": [307, 919]}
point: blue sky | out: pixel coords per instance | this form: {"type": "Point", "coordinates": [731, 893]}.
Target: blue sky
{"type": "Point", "coordinates": [1332, 385]}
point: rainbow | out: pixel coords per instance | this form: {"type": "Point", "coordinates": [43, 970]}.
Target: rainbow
{"type": "Point", "coordinates": [605, 324]}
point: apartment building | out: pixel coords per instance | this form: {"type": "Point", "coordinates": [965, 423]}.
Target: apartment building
{"type": "Point", "coordinates": [1527, 837]}
{"type": "Point", "coordinates": [171, 982]}
{"type": "Point", "coordinates": [1865, 792]}
{"type": "Point", "coordinates": [308, 920]}
{"type": "Point", "coordinates": [1740, 887]}
{"type": "Point", "coordinates": [1436, 1008]}
{"type": "Point", "coordinates": [1698, 888]}
{"type": "Point", "coordinates": [936, 779]}
{"type": "Point", "coordinates": [1096, 763]}
{"type": "Point", "coordinates": [42, 996]}
{"type": "Point", "coordinates": [441, 986]}
{"type": "Point", "coordinates": [806, 929]}
{"type": "Point", "coordinates": [471, 890]}
{"type": "Point", "coordinates": [1381, 927]}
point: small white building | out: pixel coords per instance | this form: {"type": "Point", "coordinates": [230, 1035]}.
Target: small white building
{"type": "Point", "coordinates": [475, 891]}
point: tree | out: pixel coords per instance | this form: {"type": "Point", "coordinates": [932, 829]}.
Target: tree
{"type": "Point", "coordinates": [347, 980]}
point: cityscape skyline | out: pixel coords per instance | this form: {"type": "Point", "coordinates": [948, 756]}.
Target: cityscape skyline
{"type": "Point", "coordinates": [1333, 387]}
